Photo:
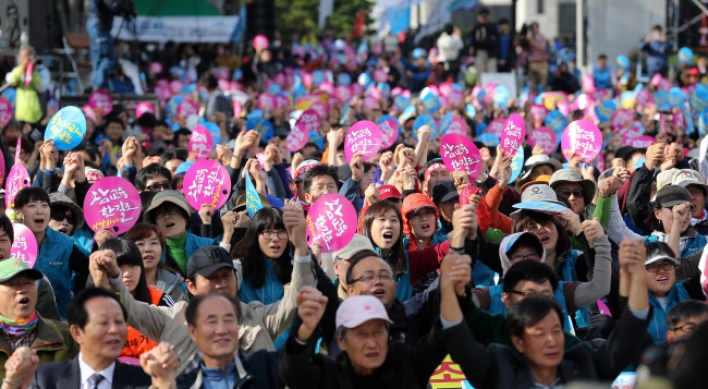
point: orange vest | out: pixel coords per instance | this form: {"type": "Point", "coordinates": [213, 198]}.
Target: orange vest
{"type": "Point", "coordinates": [136, 342]}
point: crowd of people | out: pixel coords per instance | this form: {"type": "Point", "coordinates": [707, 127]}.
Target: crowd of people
{"type": "Point", "coordinates": [442, 262]}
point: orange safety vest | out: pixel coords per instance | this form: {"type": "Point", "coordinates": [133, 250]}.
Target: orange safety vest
{"type": "Point", "coordinates": [136, 342]}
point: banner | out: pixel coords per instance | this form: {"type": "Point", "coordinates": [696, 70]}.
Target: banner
{"type": "Point", "coordinates": [437, 19]}
{"type": "Point", "coordinates": [399, 19]}
{"type": "Point", "coordinates": [212, 29]}
{"type": "Point", "coordinates": [326, 7]}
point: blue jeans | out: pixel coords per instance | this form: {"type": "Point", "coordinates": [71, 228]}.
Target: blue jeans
{"type": "Point", "coordinates": [103, 57]}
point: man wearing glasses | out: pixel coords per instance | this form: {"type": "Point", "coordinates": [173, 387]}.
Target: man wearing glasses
{"type": "Point", "coordinates": [684, 319]}
{"type": "Point", "coordinates": [153, 178]}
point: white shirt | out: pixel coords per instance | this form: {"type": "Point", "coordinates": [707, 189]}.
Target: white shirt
{"type": "Point", "coordinates": [449, 47]}
{"type": "Point", "coordinates": [87, 372]}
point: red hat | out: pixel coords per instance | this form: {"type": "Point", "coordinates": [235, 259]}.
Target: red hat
{"type": "Point", "coordinates": [694, 72]}
{"type": "Point", "coordinates": [386, 191]}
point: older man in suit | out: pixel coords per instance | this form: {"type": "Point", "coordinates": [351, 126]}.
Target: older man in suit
{"type": "Point", "coordinates": [98, 324]}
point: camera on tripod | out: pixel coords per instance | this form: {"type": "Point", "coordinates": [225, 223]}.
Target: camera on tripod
{"type": "Point", "coordinates": [125, 9]}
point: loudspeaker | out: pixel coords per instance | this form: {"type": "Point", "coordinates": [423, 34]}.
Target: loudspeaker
{"type": "Point", "coordinates": [16, 18]}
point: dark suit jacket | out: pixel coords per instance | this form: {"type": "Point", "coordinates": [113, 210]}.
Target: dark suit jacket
{"type": "Point", "coordinates": [67, 375]}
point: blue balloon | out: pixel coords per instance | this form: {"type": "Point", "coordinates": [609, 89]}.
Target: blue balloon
{"type": "Point", "coordinates": [177, 72]}
{"type": "Point", "coordinates": [556, 122]}
{"type": "Point", "coordinates": [237, 75]}
{"type": "Point", "coordinates": [214, 130]}
{"type": "Point", "coordinates": [172, 105]}
{"type": "Point", "coordinates": [297, 80]}
{"type": "Point", "coordinates": [385, 89]}
{"type": "Point", "coordinates": [661, 100]}
{"type": "Point", "coordinates": [67, 128]}
{"type": "Point", "coordinates": [517, 164]}
{"type": "Point", "coordinates": [317, 77]}
{"type": "Point", "coordinates": [401, 102]}
{"type": "Point", "coordinates": [501, 95]}
{"type": "Point", "coordinates": [605, 110]}
{"type": "Point", "coordinates": [408, 113]}
{"type": "Point", "coordinates": [255, 114]}
{"type": "Point", "coordinates": [364, 79]}
{"type": "Point", "coordinates": [299, 91]}
{"type": "Point", "coordinates": [676, 97]}
{"type": "Point", "coordinates": [263, 126]}
{"type": "Point", "coordinates": [10, 94]}
{"type": "Point", "coordinates": [685, 55]}
{"type": "Point", "coordinates": [274, 89]}
{"type": "Point", "coordinates": [457, 87]}
{"type": "Point", "coordinates": [344, 79]}
{"type": "Point", "coordinates": [421, 121]}
{"type": "Point", "coordinates": [489, 140]}
{"type": "Point", "coordinates": [481, 128]}
{"type": "Point", "coordinates": [622, 62]}
{"type": "Point", "coordinates": [316, 138]}
{"type": "Point", "coordinates": [471, 111]}
{"type": "Point", "coordinates": [418, 53]}
{"type": "Point", "coordinates": [430, 101]}
{"type": "Point", "coordinates": [445, 122]}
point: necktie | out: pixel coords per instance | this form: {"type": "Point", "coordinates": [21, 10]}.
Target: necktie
{"type": "Point", "coordinates": [96, 379]}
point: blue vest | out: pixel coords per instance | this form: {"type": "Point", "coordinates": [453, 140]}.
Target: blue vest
{"type": "Point", "coordinates": [271, 291]}
{"type": "Point", "coordinates": [582, 316]}
{"type": "Point", "coordinates": [602, 78]}
{"type": "Point", "coordinates": [657, 326]}
{"type": "Point", "coordinates": [83, 239]}
{"type": "Point", "coordinates": [496, 306]}
{"type": "Point", "coordinates": [53, 262]}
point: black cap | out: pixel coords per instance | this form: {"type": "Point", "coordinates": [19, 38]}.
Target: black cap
{"type": "Point", "coordinates": [670, 195]}
{"type": "Point", "coordinates": [207, 260]}
{"type": "Point", "coordinates": [443, 191]}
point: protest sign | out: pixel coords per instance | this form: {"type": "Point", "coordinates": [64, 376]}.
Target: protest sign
{"type": "Point", "coordinates": [66, 128]}
{"type": "Point", "coordinates": [207, 182]}
{"type": "Point", "coordinates": [460, 154]}
{"type": "Point", "coordinates": [331, 222]}
{"type": "Point", "coordinates": [24, 245]}
{"type": "Point", "coordinates": [112, 203]}
{"type": "Point", "coordinates": [365, 137]}
{"type": "Point", "coordinates": [581, 139]}
{"type": "Point", "coordinates": [200, 143]}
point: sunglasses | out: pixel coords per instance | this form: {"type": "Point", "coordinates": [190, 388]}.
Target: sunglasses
{"type": "Point", "coordinates": [574, 192]}
{"type": "Point", "coordinates": [61, 214]}
{"type": "Point", "coordinates": [158, 186]}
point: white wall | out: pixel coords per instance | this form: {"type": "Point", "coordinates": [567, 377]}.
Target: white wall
{"type": "Point", "coordinates": [615, 27]}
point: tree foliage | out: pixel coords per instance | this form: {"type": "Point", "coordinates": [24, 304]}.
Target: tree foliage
{"type": "Point", "coordinates": [300, 16]}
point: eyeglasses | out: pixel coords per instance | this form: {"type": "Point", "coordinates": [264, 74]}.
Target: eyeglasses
{"type": "Point", "coordinates": [323, 189]}
{"type": "Point", "coordinates": [696, 192]}
{"type": "Point", "coordinates": [159, 186]}
{"type": "Point", "coordinates": [171, 211]}
{"type": "Point", "coordinates": [520, 257]}
{"type": "Point", "coordinates": [270, 235]}
{"type": "Point", "coordinates": [60, 215]}
{"type": "Point", "coordinates": [654, 268]}
{"type": "Point", "coordinates": [575, 192]}
{"type": "Point", "coordinates": [532, 294]}
{"type": "Point", "coordinates": [370, 276]}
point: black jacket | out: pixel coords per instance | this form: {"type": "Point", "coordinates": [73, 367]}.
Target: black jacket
{"type": "Point", "coordinates": [260, 371]}
{"type": "Point", "coordinates": [497, 367]}
{"type": "Point", "coordinates": [486, 37]}
{"type": "Point", "coordinates": [61, 375]}
{"type": "Point", "coordinates": [404, 367]}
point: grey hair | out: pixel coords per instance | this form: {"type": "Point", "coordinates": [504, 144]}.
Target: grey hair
{"type": "Point", "coordinates": [28, 48]}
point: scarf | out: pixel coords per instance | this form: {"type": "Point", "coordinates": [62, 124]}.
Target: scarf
{"type": "Point", "coordinates": [176, 248]}
{"type": "Point", "coordinates": [699, 219]}
{"type": "Point", "coordinates": [20, 327]}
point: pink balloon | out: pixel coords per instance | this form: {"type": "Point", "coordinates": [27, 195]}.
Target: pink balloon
{"type": "Point", "coordinates": [331, 221]}
{"type": "Point", "coordinates": [260, 42]}
{"type": "Point", "coordinates": [207, 182]}
{"type": "Point", "coordinates": [455, 97]}
{"type": "Point", "coordinates": [644, 97]}
{"type": "Point", "coordinates": [538, 112]}
{"type": "Point", "coordinates": [113, 203]}
{"type": "Point", "coordinates": [457, 126]}
{"type": "Point", "coordinates": [24, 246]}
{"type": "Point", "coordinates": [512, 135]}
{"type": "Point", "coordinates": [370, 102]}
{"type": "Point", "coordinates": [434, 89]}
{"type": "Point", "coordinates": [380, 75]}
{"type": "Point", "coordinates": [678, 120]}
{"type": "Point", "coordinates": [396, 91]}
{"type": "Point", "coordinates": [374, 92]}
{"type": "Point", "coordinates": [6, 112]}
{"type": "Point", "coordinates": [563, 107]}
{"type": "Point", "coordinates": [176, 86]}
{"type": "Point", "coordinates": [266, 102]}
{"type": "Point", "coordinates": [319, 107]}
{"type": "Point", "coordinates": [163, 93]}
{"type": "Point", "coordinates": [282, 101]}
{"type": "Point", "coordinates": [163, 82]}
{"type": "Point", "coordinates": [344, 92]}
{"type": "Point", "coordinates": [581, 139]}
{"type": "Point", "coordinates": [17, 179]}
{"type": "Point", "coordinates": [588, 84]}
{"type": "Point", "coordinates": [406, 93]}
{"type": "Point", "coordinates": [200, 143]}
{"type": "Point", "coordinates": [102, 100]}
{"type": "Point", "coordinates": [389, 132]}
{"type": "Point", "coordinates": [224, 84]}
{"type": "Point", "coordinates": [306, 79]}
{"type": "Point", "coordinates": [156, 67]}
{"type": "Point", "coordinates": [460, 154]}
{"type": "Point", "coordinates": [445, 88]}
{"type": "Point", "coordinates": [144, 107]}
{"type": "Point", "coordinates": [311, 119]}
{"type": "Point", "coordinates": [640, 142]}
{"type": "Point", "coordinates": [326, 87]}
{"type": "Point", "coordinates": [364, 136]}
{"type": "Point", "coordinates": [279, 79]}
{"type": "Point", "coordinates": [496, 126]}
{"type": "Point", "coordinates": [237, 109]}
{"type": "Point", "coordinates": [187, 108]}
{"type": "Point", "coordinates": [621, 118]}
{"type": "Point", "coordinates": [89, 113]}
{"type": "Point", "coordinates": [297, 138]}
{"type": "Point", "coordinates": [489, 91]}
{"type": "Point", "coordinates": [543, 137]}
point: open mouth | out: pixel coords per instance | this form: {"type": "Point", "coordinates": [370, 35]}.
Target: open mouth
{"type": "Point", "coordinates": [388, 236]}
{"type": "Point", "coordinates": [662, 279]}
{"type": "Point", "coordinates": [544, 239]}
{"type": "Point", "coordinates": [114, 342]}
{"type": "Point", "coordinates": [148, 258]}
{"type": "Point", "coordinates": [372, 355]}
{"type": "Point", "coordinates": [378, 293]}
{"type": "Point", "coordinates": [24, 301]}
{"type": "Point", "coordinates": [63, 230]}
{"type": "Point", "coordinates": [425, 227]}
{"type": "Point", "coordinates": [39, 222]}
{"type": "Point", "coordinates": [275, 248]}
{"type": "Point", "coordinates": [170, 225]}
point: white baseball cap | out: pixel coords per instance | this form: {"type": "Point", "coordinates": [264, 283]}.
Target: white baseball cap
{"type": "Point", "coordinates": [357, 310]}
